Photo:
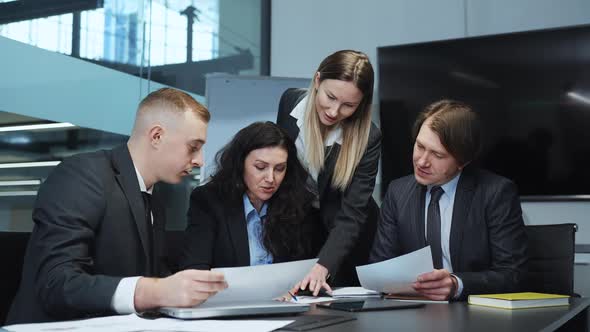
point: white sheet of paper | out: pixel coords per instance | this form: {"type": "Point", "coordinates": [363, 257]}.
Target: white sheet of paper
{"type": "Point", "coordinates": [171, 324]}
{"type": "Point", "coordinates": [259, 283]}
{"type": "Point", "coordinates": [354, 292]}
{"type": "Point", "coordinates": [111, 323]}
{"type": "Point", "coordinates": [397, 274]}
{"type": "Point", "coordinates": [311, 299]}
{"type": "Point", "coordinates": [131, 322]}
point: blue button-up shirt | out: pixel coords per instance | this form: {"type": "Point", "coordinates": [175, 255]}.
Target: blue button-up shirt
{"type": "Point", "coordinates": [258, 254]}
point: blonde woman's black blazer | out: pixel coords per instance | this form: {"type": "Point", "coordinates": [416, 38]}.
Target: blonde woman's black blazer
{"type": "Point", "coordinates": [349, 216]}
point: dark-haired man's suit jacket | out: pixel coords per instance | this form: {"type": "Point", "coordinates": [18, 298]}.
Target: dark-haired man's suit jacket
{"type": "Point", "coordinates": [89, 233]}
{"type": "Point", "coordinates": [487, 242]}
{"type": "Point", "coordinates": [350, 216]}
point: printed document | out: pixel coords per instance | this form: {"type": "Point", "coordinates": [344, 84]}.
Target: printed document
{"type": "Point", "coordinates": [259, 283]}
{"type": "Point", "coordinates": [132, 323]}
{"type": "Point", "coordinates": [396, 275]}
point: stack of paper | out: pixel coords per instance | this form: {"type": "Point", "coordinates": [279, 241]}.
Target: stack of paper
{"type": "Point", "coordinates": [354, 292]}
{"type": "Point", "coordinates": [412, 298]}
{"type": "Point", "coordinates": [312, 299]}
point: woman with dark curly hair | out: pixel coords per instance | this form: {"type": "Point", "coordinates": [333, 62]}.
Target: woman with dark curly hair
{"type": "Point", "coordinates": [254, 210]}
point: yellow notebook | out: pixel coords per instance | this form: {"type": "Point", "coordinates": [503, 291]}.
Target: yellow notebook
{"type": "Point", "coordinates": [519, 300]}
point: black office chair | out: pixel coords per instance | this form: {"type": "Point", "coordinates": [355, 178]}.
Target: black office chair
{"type": "Point", "coordinates": [551, 250]}
{"type": "Point", "coordinates": [12, 253]}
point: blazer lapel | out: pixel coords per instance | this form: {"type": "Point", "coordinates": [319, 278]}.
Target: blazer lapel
{"type": "Point", "coordinates": [127, 179]}
{"type": "Point", "coordinates": [291, 127]}
{"type": "Point", "coordinates": [461, 207]}
{"type": "Point", "coordinates": [289, 101]}
{"type": "Point", "coordinates": [420, 192]}
{"type": "Point", "coordinates": [238, 231]}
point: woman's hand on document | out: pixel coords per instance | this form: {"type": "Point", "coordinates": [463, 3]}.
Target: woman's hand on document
{"type": "Point", "coordinates": [315, 280]}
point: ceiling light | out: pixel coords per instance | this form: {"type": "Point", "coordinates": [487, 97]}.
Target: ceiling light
{"type": "Point", "coordinates": [31, 164]}
{"type": "Point", "coordinates": [18, 193]}
{"type": "Point", "coordinates": [20, 183]}
{"type": "Point", "coordinates": [578, 97]}
{"type": "Point", "coordinates": [42, 126]}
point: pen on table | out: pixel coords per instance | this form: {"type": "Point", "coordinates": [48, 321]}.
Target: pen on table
{"type": "Point", "coordinates": [292, 295]}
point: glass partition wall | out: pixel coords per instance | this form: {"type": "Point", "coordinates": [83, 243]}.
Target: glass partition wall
{"type": "Point", "coordinates": [29, 149]}
{"type": "Point", "coordinates": [173, 42]}
{"type": "Point", "coordinates": [140, 45]}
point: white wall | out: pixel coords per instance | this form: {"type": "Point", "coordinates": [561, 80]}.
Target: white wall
{"type": "Point", "coordinates": [500, 16]}
{"type": "Point", "coordinates": [303, 32]}
{"type": "Point", "coordinates": [237, 101]}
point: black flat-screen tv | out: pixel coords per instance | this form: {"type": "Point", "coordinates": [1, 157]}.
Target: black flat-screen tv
{"type": "Point", "coordinates": [530, 89]}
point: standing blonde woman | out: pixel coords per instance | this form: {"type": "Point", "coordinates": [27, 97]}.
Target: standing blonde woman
{"type": "Point", "coordinates": [340, 146]}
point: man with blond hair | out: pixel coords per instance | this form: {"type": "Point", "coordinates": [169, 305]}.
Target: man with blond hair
{"type": "Point", "coordinates": [97, 243]}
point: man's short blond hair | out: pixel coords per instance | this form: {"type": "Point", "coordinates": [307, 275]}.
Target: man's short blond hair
{"type": "Point", "coordinates": [173, 100]}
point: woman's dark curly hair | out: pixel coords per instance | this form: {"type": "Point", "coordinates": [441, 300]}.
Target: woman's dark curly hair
{"type": "Point", "coordinates": [286, 230]}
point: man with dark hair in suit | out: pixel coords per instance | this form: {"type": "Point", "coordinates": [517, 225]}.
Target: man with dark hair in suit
{"type": "Point", "coordinates": [97, 246]}
{"type": "Point", "coordinates": [471, 218]}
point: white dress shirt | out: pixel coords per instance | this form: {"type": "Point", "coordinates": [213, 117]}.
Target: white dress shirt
{"type": "Point", "coordinates": [334, 136]}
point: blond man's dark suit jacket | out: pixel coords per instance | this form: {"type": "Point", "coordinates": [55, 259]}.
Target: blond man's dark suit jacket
{"type": "Point", "coordinates": [89, 232]}
{"type": "Point", "coordinates": [487, 242]}
{"type": "Point", "coordinates": [349, 216]}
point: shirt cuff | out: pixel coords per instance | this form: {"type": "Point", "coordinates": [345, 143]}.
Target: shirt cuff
{"type": "Point", "coordinates": [123, 299]}
{"type": "Point", "coordinates": [459, 287]}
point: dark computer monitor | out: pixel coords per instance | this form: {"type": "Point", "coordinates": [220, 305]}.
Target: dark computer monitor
{"type": "Point", "coordinates": [531, 91]}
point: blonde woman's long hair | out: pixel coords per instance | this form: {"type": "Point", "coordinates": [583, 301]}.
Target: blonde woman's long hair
{"type": "Point", "coordinates": [350, 66]}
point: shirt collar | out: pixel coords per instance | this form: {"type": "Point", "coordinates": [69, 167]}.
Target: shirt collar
{"type": "Point", "coordinates": [299, 112]}
{"type": "Point", "coordinates": [142, 187]}
{"type": "Point", "coordinates": [450, 187]}
{"type": "Point", "coordinates": [249, 208]}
